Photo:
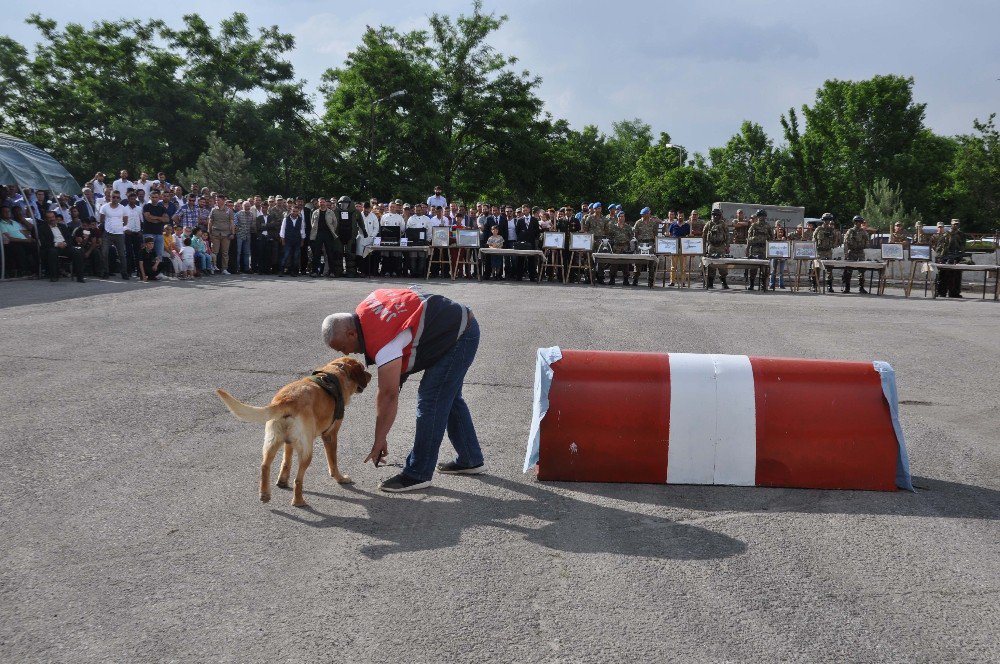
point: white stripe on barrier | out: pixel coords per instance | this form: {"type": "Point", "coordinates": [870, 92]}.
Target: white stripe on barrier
{"type": "Point", "coordinates": [713, 424]}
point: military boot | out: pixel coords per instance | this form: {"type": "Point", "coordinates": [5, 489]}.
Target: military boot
{"type": "Point", "coordinates": [725, 286]}
{"type": "Point", "coordinates": [635, 278]}
{"type": "Point", "coordinates": [763, 281]}
{"type": "Point", "coordinates": [711, 283]}
{"type": "Point", "coordinates": [861, 287]}
{"type": "Point", "coordinates": [829, 285]}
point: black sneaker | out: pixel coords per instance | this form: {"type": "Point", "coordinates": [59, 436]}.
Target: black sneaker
{"type": "Point", "coordinates": [452, 468]}
{"type": "Point", "coordinates": [401, 483]}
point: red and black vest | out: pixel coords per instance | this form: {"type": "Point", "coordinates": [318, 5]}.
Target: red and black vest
{"type": "Point", "coordinates": [434, 321]}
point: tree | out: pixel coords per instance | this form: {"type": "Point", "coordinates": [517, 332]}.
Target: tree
{"type": "Point", "coordinates": [746, 167]}
{"type": "Point", "coordinates": [856, 131]}
{"type": "Point", "coordinates": [143, 95]}
{"type": "Point", "coordinates": [976, 177]}
{"type": "Point", "coordinates": [223, 168]}
{"type": "Point", "coordinates": [680, 188]}
{"type": "Point", "coordinates": [884, 206]}
{"type": "Point", "coordinates": [469, 121]}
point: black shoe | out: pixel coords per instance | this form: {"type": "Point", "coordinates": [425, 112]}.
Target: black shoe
{"type": "Point", "coordinates": [829, 289]}
{"type": "Point", "coordinates": [452, 468]}
{"type": "Point", "coordinates": [862, 291]}
{"type": "Point", "coordinates": [401, 483]}
{"type": "Point", "coordinates": [956, 295]}
{"type": "Point", "coordinates": [81, 280]}
{"type": "Point", "coordinates": [846, 290]}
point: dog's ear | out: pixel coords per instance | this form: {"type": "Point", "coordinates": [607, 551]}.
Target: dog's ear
{"type": "Point", "coordinates": [357, 372]}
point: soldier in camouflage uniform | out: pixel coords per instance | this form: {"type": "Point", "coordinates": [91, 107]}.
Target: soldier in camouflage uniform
{"type": "Point", "coordinates": [644, 231]}
{"type": "Point", "coordinates": [897, 235]}
{"type": "Point", "coordinates": [758, 235]}
{"type": "Point", "coordinates": [621, 237]}
{"type": "Point", "coordinates": [825, 238]}
{"type": "Point", "coordinates": [598, 225]}
{"type": "Point", "coordinates": [950, 281]}
{"type": "Point", "coordinates": [716, 237]}
{"type": "Point", "coordinates": [855, 241]}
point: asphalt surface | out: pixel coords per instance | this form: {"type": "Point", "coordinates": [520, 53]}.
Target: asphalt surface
{"type": "Point", "coordinates": [132, 532]}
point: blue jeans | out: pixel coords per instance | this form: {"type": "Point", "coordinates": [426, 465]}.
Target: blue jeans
{"type": "Point", "coordinates": [778, 270]}
{"type": "Point", "coordinates": [440, 408]}
{"type": "Point", "coordinates": [243, 253]}
{"type": "Point", "coordinates": [290, 260]}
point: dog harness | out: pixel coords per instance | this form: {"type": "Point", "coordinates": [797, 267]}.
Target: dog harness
{"type": "Point", "coordinates": [331, 386]}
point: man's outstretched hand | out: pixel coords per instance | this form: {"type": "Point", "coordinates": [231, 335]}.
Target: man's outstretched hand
{"type": "Point", "coordinates": [380, 450]}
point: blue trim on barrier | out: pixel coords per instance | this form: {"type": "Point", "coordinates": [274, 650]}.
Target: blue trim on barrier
{"type": "Point", "coordinates": [543, 380]}
{"type": "Point", "coordinates": [885, 370]}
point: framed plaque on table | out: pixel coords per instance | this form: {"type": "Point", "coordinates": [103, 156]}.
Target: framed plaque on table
{"type": "Point", "coordinates": [551, 240]}
{"type": "Point", "coordinates": [804, 250]}
{"type": "Point", "coordinates": [468, 238]}
{"type": "Point", "coordinates": [440, 236]}
{"type": "Point", "coordinates": [892, 252]}
{"type": "Point", "coordinates": [778, 250]}
{"type": "Point", "coordinates": [581, 241]}
{"type": "Point", "coordinates": [692, 246]}
{"type": "Point", "coordinates": [920, 252]}
{"type": "Point", "coordinates": [667, 245]}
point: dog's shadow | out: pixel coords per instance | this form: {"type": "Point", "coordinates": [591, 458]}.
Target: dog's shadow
{"type": "Point", "coordinates": [552, 520]}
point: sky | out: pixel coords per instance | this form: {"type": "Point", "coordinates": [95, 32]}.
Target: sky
{"type": "Point", "coordinates": [693, 69]}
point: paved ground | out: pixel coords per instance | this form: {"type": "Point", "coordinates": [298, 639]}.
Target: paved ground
{"type": "Point", "coordinates": [132, 531]}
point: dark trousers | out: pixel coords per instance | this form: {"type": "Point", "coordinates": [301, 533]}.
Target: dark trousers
{"type": "Point", "coordinates": [848, 272]}
{"type": "Point", "coordinates": [292, 257]}
{"type": "Point", "coordinates": [118, 242]}
{"type": "Point", "coordinates": [133, 247]}
{"type": "Point", "coordinates": [20, 257]}
{"type": "Point", "coordinates": [513, 266]}
{"type": "Point", "coordinates": [271, 253]}
{"type": "Point", "coordinates": [52, 254]}
{"type": "Point", "coordinates": [324, 242]}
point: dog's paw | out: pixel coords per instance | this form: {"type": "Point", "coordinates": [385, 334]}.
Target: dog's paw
{"type": "Point", "coordinates": [282, 484]}
{"type": "Point", "coordinates": [265, 497]}
{"type": "Point", "coordinates": [301, 503]}
{"type": "Point", "coordinates": [345, 479]}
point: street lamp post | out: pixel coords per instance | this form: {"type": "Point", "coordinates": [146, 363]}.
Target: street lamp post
{"type": "Point", "coordinates": [371, 132]}
{"type": "Point", "coordinates": [680, 152]}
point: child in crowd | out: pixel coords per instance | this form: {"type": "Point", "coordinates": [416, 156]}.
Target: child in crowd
{"type": "Point", "coordinates": [495, 241]}
{"type": "Point", "coordinates": [187, 259]}
{"type": "Point", "coordinates": [171, 250]}
{"type": "Point", "coordinates": [203, 251]}
{"type": "Point", "coordinates": [149, 262]}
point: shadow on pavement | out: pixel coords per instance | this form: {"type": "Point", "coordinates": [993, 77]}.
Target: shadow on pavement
{"type": "Point", "coordinates": [933, 498]}
{"type": "Point", "coordinates": [541, 516]}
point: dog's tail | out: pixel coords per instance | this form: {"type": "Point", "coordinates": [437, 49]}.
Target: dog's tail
{"type": "Point", "coordinates": [245, 412]}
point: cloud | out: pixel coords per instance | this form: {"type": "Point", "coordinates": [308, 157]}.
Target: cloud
{"type": "Point", "coordinates": [742, 41]}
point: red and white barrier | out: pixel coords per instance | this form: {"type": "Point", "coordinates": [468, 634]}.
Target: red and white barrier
{"type": "Point", "coordinates": [716, 419]}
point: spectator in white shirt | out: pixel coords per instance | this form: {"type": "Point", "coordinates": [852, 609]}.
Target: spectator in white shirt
{"type": "Point", "coordinates": [114, 217]}
{"type": "Point", "coordinates": [143, 183]}
{"type": "Point", "coordinates": [122, 185]}
{"type": "Point", "coordinates": [437, 199]}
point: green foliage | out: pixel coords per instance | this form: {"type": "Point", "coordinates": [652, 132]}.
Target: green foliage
{"type": "Point", "coordinates": [746, 167]}
{"type": "Point", "coordinates": [222, 168]}
{"type": "Point", "coordinates": [145, 94]}
{"type": "Point", "coordinates": [856, 131]}
{"type": "Point", "coordinates": [976, 177]}
{"type": "Point", "coordinates": [130, 93]}
{"type": "Point", "coordinates": [884, 206]}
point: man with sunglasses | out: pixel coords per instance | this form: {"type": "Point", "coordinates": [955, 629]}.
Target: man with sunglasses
{"type": "Point", "coordinates": [114, 217]}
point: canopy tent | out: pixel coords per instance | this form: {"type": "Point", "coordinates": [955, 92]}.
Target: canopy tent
{"type": "Point", "coordinates": [25, 165]}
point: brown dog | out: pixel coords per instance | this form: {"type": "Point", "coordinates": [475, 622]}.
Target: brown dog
{"type": "Point", "coordinates": [298, 414]}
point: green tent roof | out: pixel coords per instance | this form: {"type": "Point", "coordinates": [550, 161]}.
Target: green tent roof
{"type": "Point", "coordinates": [25, 165]}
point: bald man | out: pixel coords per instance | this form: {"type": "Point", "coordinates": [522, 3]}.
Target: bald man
{"type": "Point", "coordinates": [403, 332]}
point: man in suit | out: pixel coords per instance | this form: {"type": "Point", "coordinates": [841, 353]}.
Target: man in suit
{"type": "Point", "coordinates": [529, 231]}
{"type": "Point", "coordinates": [508, 230]}
{"type": "Point", "coordinates": [293, 232]}
{"type": "Point", "coordinates": [55, 240]}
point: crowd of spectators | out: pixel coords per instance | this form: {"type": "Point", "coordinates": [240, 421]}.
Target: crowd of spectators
{"type": "Point", "coordinates": [150, 229]}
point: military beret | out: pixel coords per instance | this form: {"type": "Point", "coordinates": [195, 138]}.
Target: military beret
{"type": "Point", "coordinates": [645, 210]}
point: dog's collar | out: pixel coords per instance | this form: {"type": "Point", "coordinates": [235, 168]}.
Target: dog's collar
{"type": "Point", "coordinates": [331, 386]}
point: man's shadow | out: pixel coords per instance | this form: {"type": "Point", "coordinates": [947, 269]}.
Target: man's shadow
{"type": "Point", "coordinates": [541, 516]}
